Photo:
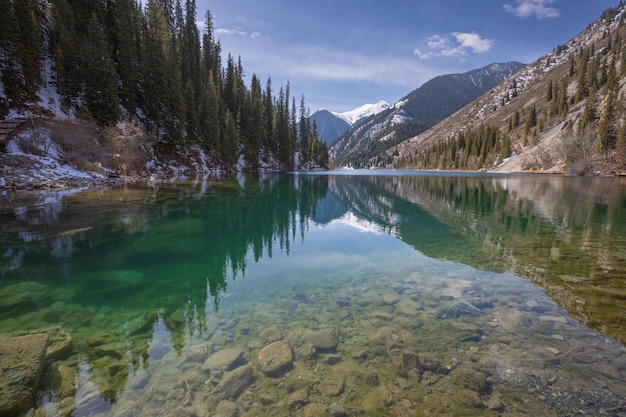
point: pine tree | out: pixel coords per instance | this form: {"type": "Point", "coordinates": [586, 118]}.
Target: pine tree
{"type": "Point", "coordinates": [98, 74]}
{"type": "Point", "coordinates": [191, 47]}
{"type": "Point", "coordinates": [550, 92]}
{"type": "Point", "coordinates": [209, 120]}
{"type": "Point", "coordinates": [230, 140]}
{"type": "Point", "coordinates": [30, 50]}
{"type": "Point", "coordinates": [10, 72]}
{"type": "Point", "coordinates": [608, 131]}
{"type": "Point", "coordinates": [303, 139]}
{"type": "Point", "coordinates": [268, 118]}
{"type": "Point", "coordinates": [127, 53]}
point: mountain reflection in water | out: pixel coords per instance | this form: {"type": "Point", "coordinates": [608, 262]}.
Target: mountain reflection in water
{"type": "Point", "coordinates": [133, 273]}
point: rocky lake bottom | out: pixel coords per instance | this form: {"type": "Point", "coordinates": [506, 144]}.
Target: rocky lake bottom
{"type": "Point", "coordinates": [463, 343]}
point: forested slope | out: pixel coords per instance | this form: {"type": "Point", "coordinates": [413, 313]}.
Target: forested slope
{"type": "Point", "coordinates": [147, 64]}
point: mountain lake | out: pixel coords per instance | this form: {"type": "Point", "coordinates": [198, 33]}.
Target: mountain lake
{"type": "Point", "coordinates": [341, 293]}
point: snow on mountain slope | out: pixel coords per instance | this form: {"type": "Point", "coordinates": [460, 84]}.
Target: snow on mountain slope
{"type": "Point", "coordinates": [363, 112]}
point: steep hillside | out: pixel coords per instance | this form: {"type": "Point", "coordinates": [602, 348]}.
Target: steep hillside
{"type": "Point", "coordinates": [332, 125]}
{"type": "Point", "coordinates": [109, 63]}
{"type": "Point", "coordinates": [329, 126]}
{"type": "Point", "coordinates": [416, 112]}
{"type": "Point", "coordinates": [562, 113]}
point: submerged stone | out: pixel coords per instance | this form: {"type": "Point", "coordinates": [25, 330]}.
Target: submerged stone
{"type": "Point", "coordinates": [21, 360]}
{"type": "Point", "coordinates": [21, 294]}
{"type": "Point", "coordinates": [225, 360]}
{"type": "Point", "coordinates": [458, 309]}
{"type": "Point", "coordinates": [343, 301]}
{"type": "Point", "coordinates": [324, 339]}
{"type": "Point", "coordinates": [233, 383]}
{"type": "Point", "coordinates": [276, 358]}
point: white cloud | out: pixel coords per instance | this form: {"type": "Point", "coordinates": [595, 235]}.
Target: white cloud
{"type": "Point", "coordinates": [436, 41]}
{"type": "Point", "coordinates": [237, 32]}
{"type": "Point", "coordinates": [457, 44]}
{"type": "Point", "coordinates": [473, 41]}
{"type": "Point", "coordinates": [539, 8]}
{"type": "Point", "coordinates": [324, 64]}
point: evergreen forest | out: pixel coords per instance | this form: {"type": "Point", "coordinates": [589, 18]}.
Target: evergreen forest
{"type": "Point", "coordinates": [121, 60]}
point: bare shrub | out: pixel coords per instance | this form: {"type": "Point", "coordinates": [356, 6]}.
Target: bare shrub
{"type": "Point", "coordinates": [581, 153]}
{"type": "Point", "coordinates": [78, 144]}
{"type": "Point", "coordinates": [35, 142]}
{"type": "Point", "coordinates": [125, 148]}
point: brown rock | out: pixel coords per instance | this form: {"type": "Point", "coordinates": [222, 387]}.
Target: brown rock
{"type": "Point", "coordinates": [271, 334]}
{"type": "Point", "coordinates": [21, 362]}
{"type": "Point", "coordinates": [226, 408]}
{"type": "Point", "coordinates": [224, 360]}
{"type": "Point", "coordinates": [315, 410]}
{"type": "Point", "coordinates": [233, 383]}
{"type": "Point", "coordinates": [196, 354]}
{"type": "Point", "coordinates": [297, 399]}
{"type": "Point", "coordinates": [276, 358]}
{"type": "Point", "coordinates": [405, 361]}
{"type": "Point", "coordinates": [324, 339]}
{"type": "Point", "coordinates": [61, 344]}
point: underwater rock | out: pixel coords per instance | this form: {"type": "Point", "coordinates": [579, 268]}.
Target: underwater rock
{"type": "Point", "coordinates": [276, 358]}
{"type": "Point", "coordinates": [315, 410]}
{"type": "Point", "coordinates": [60, 378]}
{"type": "Point", "coordinates": [343, 301]}
{"type": "Point", "coordinates": [332, 359]}
{"type": "Point", "coordinates": [196, 354]}
{"type": "Point", "coordinates": [297, 399]}
{"type": "Point", "coordinates": [389, 299]}
{"type": "Point", "coordinates": [22, 294]}
{"type": "Point", "coordinates": [332, 387]}
{"type": "Point", "coordinates": [61, 343]}
{"type": "Point", "coordinates": [458, 309]}
{"type": "Point", "coordinates": [337, 410]}
{"type": "Point", "coordinates": [233, 383]}
{"type": "Point", "coordinates": [382, 315]}
{"type": "Point", "coordinates": [405, 361]}
{"type": "Point", "coordinates": [429, 361]}
{"type": "Point", "coordinates": [471, 379]}
{"type": "Point", "coordinates": [324, 339]}
{"type": "Point", "coordinates": [115, 350]}
{"type": "Point", "coordinates": [224, 360]}
{"type": "Point", "coordinates": [21, 361]}
{"type": "Point", "coordinates": [226, 408]}
{"type": "Point", "coordinates": [408, 308]}
{"type": "Point", "coordinates": [271, 334]}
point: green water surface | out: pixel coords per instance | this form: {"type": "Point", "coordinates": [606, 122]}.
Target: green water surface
{"type": "Point", "coordinates": [447, 294]}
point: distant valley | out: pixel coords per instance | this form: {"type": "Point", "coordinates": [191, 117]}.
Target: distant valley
{"type": "Point", "coordinates": [372, 134]}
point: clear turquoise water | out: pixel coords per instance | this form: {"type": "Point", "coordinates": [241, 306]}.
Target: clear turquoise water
{"type": "Point", "coordinates": [151, 280]}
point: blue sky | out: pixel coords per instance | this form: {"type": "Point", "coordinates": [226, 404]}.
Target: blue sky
{"type": "Point", "coordinates": [344, 53]}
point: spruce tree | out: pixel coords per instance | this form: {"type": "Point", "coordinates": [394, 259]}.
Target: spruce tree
{"type": "Point", "coordinates": [30, 50]}
{"type": "Point", "coordinates": [10, 72]}
{"type": "Point", "coordinates": [98, 74]}
{"type": "Point", "coordinates": [127, 53]}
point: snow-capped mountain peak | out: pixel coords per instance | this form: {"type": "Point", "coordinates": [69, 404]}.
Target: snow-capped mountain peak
{"type": "Point", "coordinates": [363, 112]}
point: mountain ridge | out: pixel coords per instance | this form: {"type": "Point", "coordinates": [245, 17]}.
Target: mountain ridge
{"type": "Point", "coordinates": [357, 115]}
{"type": "Point", "coordinates": [331, 125]}
{"type": "Point", "coordinates": [416, 112]}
